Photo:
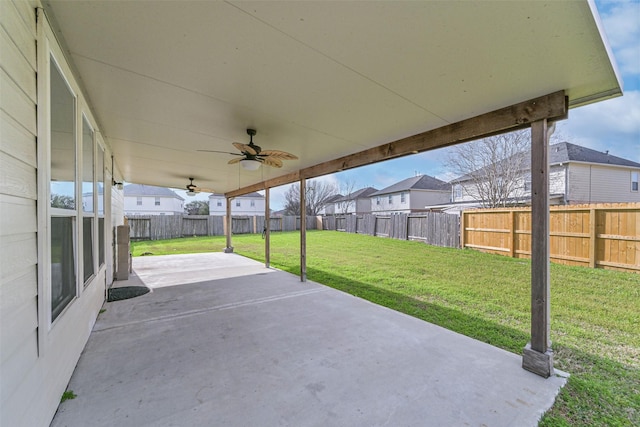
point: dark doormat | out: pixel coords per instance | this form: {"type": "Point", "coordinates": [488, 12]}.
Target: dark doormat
{"type": "Point", "coordinates": [126, 292]}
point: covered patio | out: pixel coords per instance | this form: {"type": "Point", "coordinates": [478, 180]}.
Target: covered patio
{"type": "Point", "coordinates": [157, 92]}
{"type": "Point", "coordinates": [234, 343]}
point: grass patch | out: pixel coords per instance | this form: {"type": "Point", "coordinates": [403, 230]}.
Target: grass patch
{"type": "Point", "coordinates": [595, 313]}
{"type": "Point", "coordinates": [68, 395]}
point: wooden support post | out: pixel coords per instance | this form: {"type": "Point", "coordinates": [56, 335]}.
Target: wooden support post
{"type": "Point", "coordinates": [267, 229]}
{"type": "Point", "coordinates": [537, 354]}
{"type": "Point", "coordinates": [228, 228]}
{"type": "Point", "coordinates": [303, 230]}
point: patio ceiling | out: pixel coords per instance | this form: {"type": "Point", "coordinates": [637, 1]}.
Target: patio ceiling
{"type": "Point", "coordinates": [320, 80]}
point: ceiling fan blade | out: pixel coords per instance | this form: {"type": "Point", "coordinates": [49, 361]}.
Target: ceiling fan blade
{"type": "Point", "coordinates": [271, 161]}
{"type": "Point", "coordinates": [245, 148]}
{"type": "Point", "coordinates": [236, 160]}
{"type": "Point", "coordinates": [277, 154]}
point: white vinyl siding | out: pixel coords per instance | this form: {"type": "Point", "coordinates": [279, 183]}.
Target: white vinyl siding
{"type": "Point", "coordinates": [416, 200]}
{"type": "Point", "coordinates": [37, 357]}
{"type": "Point", "coordinates": [18, 219]}
{"type": "Point", "coordinates": [249, 205]}
{"type": "Point", "coordinates": [600, 184]}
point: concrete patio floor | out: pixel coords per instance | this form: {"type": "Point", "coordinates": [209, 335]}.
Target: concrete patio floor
{"type": "Point", "coordinates": [222, 341]}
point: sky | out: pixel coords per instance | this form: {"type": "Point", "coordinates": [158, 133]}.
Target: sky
{"type": "Point", "coordinates": [612, 125]}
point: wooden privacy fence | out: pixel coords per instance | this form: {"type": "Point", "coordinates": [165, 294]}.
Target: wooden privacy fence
{"type": "Point", "coordinates": [597, 235]}
{"type": "Point", "coordinates": [159, 227]}
{"type": "Point", "coordinates": [434, 228]}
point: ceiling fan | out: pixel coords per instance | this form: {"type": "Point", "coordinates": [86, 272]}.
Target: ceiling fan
{"type": "Point", "coordinates": [253, 155]}
{"type": "Point", "coordinates": [193, 189]}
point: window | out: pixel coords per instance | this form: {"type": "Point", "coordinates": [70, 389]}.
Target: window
{"type": "Point", "coordinates": [157, 201]}
{"type": "Point", "coordinates": [377, 200]}
{"type": "Point", "coordinates": [139, 201]}
{"type": "Point", "coordinates": [390, 199]}
{"type": "Point", "coordinates": [403, 197]}
{"type": "Point", "coordinates": [100, 209]}
{"type": "Point", "coordinates": [88, 214]}
{"type": "Point", "coordinates": [63, 192]}
{"type": "Point", "coordinates": [219, 202]}
{"type": "Point", "coordinates": [238, 203]}
{"type": "Point", "coordinates": [63, 272]}
{"type": "Point", "coordinates": [527, 186]}
{"type": "Point", "coordinates": [634, 181]}
{"type": "Point", "coordinates": [457, 192]}
{"type": "Point", "coordinates": [253, 203]}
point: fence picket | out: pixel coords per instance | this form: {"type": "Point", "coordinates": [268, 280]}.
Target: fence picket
{"type": "Point", "coordinates": [583, 235]}
{"type": "Point", "coordinates": [434, 228]}
{"type": "Point", "coordinates": [159, 227]}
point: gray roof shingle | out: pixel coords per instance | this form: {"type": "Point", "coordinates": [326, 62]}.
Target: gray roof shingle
{"type": "Point", "coordinates": [359, 194]}
{"type": "Point", "coordinates": [565, 152]}
{"type": "Point", "coordinates": [138, 190]}
{"type": "Point", "coordinates": [420, 182]}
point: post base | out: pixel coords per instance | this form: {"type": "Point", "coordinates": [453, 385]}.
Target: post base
{"type": "Point", "coordinates": [536, 362]}
{"type": "Point", "coordinates": [228, 250]}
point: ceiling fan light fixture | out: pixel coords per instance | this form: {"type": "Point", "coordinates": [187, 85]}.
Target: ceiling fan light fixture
{"type": "Point", "coordinates": [250, 165]}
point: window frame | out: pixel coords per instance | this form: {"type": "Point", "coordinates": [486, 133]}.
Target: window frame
{"type": "Point", "coordinates": [54, 313]}
{"type": "Point", "coordinates": [49, 55]}
{"type": "Point", "coordinates": [88, 214]}
{"type": "Point", "coordinates": [457, 191]}
{"type": "Point", "coordinates": [635, 180]}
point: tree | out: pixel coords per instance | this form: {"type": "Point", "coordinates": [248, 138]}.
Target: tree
{"type": "Point", "coordinates": [317, 194]}
{"type": "Point", "coordinates": [348, 188]}
{"type": "Point", "coordinates": [494, 169]}
{"type": "Point", "coordinates": [62, 201]}
{"type": "Point", "coordinates": [197, 207]}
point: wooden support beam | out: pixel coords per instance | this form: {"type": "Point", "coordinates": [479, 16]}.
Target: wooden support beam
{"type": "Point", "coordinates": [228, 228]}
{"type": "Point", "coordinates": [275, 182]}
{"type": "Point", "coordinates": [267, 229]}
{"type": "Point", "coordinates": [551, 107]}
{"type": "Point", "coordinates": [303, 230]}
{"type": "Point", "coordinates": [537, 355]}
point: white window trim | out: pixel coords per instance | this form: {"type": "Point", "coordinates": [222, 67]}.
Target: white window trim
{"type": "Point", "coordinates": [637, 181]}
{"type": "Point", "coordinates": [48, 49]}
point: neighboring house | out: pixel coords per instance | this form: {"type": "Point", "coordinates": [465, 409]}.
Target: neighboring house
{"type": "Point", "coordinates": [250, 204]}
{"type": "Point", "coordinates": [330, 207]}
{"type": "Point", "coordinates": [576, 175]}
{"type": "Point", "coordinates": [358, 202]}
{"type": "Point", "coordinates": [410, 195]}
{"type": "Point", "coordinates": [149, 200]}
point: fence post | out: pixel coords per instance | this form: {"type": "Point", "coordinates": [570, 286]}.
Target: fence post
{"type": "Point", "coordinates": [463, 222]}
{"type": "Point", "coordinates": [592, 237]}
{"type": "Point", "coordinates": [512, 233]}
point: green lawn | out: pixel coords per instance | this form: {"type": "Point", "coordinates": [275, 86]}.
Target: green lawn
{"type": "Point", "coordinates": [595, 313]}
